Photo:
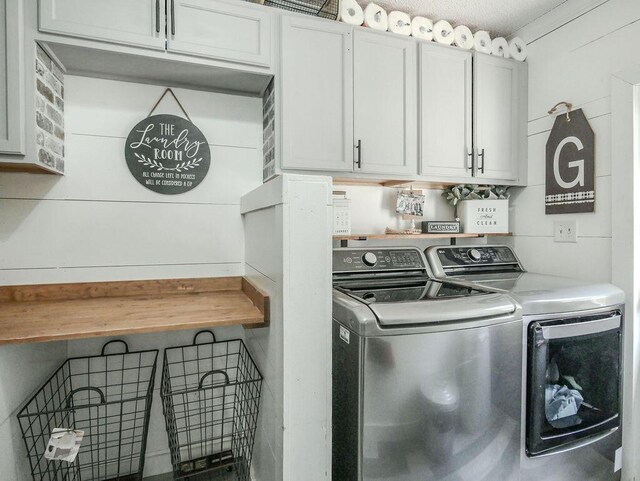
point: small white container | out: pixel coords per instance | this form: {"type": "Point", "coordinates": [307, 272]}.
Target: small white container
{"type": "Point", "coordinates": [484, 216]}
{"type": "Point", "coordinates": [341, 216]}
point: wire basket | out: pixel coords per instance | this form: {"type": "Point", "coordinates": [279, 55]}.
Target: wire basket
{"type": "Point", "coordinates": [210, 396]}
{"type": "Point", "coordinates": [106, 396]}
{"type": "Point", "coordinates": [317, 8]}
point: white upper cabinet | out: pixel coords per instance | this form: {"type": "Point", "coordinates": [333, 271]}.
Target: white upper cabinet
{"type": "Point", "coordinates": [385, 103]}
{"type": "Point", "coordinates": [225, 31]}
{"type": "Point", "coordinates": [445, 86]}
{"type": "Point", "coordinates": [11, 83]}
{"type": "Point", "coordinates": [317, 95]}
{"type": "Point", "coordinates": [131, 22]}
{"type": "Point", "coordinates": [500, 117]}
{"type": "Point", "coordinates": [228, 31]}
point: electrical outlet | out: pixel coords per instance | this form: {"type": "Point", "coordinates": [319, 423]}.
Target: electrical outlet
{"type": "Point", "coordinates": [565, 231]}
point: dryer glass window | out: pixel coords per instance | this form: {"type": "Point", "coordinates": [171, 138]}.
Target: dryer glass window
{"type": "Point", "coordinates": [573, 380]}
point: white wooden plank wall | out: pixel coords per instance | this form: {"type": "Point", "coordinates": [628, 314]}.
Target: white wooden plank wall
{"type": "Point", "coordinates": [98, 223]}
{"type": "Point", "coordinates": [574, 63]}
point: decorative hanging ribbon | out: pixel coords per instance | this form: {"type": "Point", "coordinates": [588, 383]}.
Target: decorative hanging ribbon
{"type": "Point", "coordinates": [568, 105]}
{"type": "Point", "coordinates": [169, 91]}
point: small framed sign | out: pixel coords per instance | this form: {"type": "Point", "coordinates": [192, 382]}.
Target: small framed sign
{"type": "Point", "coordinates": [441, 227]}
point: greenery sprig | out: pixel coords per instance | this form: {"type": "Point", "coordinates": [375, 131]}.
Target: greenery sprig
{"type": "Point", "coordinates": [457, 193]}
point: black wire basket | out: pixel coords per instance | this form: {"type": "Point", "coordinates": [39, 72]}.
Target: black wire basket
{"type": "Point", "coordinates": [317, 8]}
{"type": "Point", "coordinates": [210, 397]}
{"type": "Point", "coordinates": [109, 398]}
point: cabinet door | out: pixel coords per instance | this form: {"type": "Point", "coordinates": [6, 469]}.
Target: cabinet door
{"type": "Point", "coordinates": [317, 95]}
{"type": "Point", "coordinates": [130, 22]}
{"type": "Point", "coordinates": [11, 84]}
{"type": "Point", "coordinates": [385, 102]}
{"type": "Point", "coordinates": [445, 112]}
{"type": "Point", "coordinates": [500, 112]}
{"type": "Point", "coordinates": [225, 31]}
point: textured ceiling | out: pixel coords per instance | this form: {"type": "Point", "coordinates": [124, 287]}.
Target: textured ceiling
{"type": "Point", "coordinates": [499, 17]}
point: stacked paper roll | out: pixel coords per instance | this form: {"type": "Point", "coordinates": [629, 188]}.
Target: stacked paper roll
{"type": "Point", "coordinates": [518, 49]}
{"type": "Point", "coordinates": [422, 27]}
{"type": "Point", "coordinates": [500, 47]}
{"type": "Point", "coordinates": [351, 12]}
{"type": "Point", "coordinates": [443, 32]}
{"type": "Point", "coordinates": [400, 22]}
{"type": "Point", "coordinates": [482, 41]}
{"type": "Point", "coordinates": [376, 17]}
{"type": "Point", "coordinates": [462, 37]}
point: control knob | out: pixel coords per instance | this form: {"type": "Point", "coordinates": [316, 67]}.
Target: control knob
{"type": "Point", "coordinates": [370, 259]}
{"type": "Point", "coordinates": [474, 254]}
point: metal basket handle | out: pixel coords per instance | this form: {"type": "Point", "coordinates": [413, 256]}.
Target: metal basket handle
{"type": "Point", "coordinates": [69, 397]}
{"type": "Point", "coordinates": [217, 371]}
{"type": "Point", "coordinates": [114, 341]}
{"type": "Point", "coordinates": [206, 331]}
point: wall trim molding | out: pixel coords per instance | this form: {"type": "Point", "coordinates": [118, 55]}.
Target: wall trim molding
{"type": "Point", "coordinates": [625, 246]}
{"type": "Point", "coordinates": [556, 18]}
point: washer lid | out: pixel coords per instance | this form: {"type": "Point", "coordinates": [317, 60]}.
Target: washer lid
{"type": "Point", "coordinates": [444, 310]}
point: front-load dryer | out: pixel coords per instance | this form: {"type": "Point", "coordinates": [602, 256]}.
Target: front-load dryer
{"type": "Point", "coordinates": [571, 357]}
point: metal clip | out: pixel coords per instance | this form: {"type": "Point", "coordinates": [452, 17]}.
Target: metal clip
{"type": "Point", "coordinates": [568, 105]}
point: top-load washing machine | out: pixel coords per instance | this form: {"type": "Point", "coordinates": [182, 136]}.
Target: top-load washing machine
{"type": "Point", "coordinates": [426, 373]}
{"type": "Point", "coordinates": [572, 359]}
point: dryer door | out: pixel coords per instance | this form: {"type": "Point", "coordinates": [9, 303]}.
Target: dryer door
{"type": "Point", "coordinates": [573, 381]}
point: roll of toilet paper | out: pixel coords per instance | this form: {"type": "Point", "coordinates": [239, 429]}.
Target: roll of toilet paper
{"type": "Point", "coordinates": [443, 32]}
{"type": "Point", "coordinates": [422, 27]}
{"type": "Point", "coordinates": [376, 17]}
{"type": "Point", "coordinates": [462, 37]}
{"type": "Point", "coordinates": [399, 22]}
{"type": "Point", "coordinates": [500, 47]}
{"type": "Point", "coordinates": [482, 41]}
{"type": "Point", "coordinates": [518, 49]}
{"type": "Point", "coordinates": [351, 12]}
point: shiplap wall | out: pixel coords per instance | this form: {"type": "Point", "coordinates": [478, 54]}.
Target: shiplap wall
{"type": "Point", "coordinates": [98, 223]}
{"type": "Point", "coordinates": [294, 352]}
{"type": "Point", "coordinates": [574, 63]}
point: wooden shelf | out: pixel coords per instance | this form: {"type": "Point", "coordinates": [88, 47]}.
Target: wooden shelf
{"type": "Point", "coordinates": [364, 237]}
{"type": "Point", "coordinates": [53, 312]}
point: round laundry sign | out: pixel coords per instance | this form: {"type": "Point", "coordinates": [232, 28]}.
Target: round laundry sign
{"type": "Point", "coordinates": [167, 154]}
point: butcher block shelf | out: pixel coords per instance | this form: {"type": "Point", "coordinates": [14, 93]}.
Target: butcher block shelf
{"type": "Point", "coordinates": [56, 312]}
{"type": "Point", "coordinates": [364, 237]}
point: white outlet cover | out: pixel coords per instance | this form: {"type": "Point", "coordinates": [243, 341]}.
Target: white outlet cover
{"type": "Point", "coordinates": [565, 231]}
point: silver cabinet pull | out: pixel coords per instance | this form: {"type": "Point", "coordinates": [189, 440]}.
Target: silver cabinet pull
{"type": "Point", "coordinates": [173, 17]}
{"type": "Point", "coordinates": [157, 16]}
{"type": "Point", "coordinates": [470, 157]}
{"type": "Point", "coordinates": [481, 167]}
{"type": "Point", "coordinates": [358, 162]}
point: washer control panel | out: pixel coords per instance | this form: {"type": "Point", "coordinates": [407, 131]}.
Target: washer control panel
{"type": "Point", "coordinates": [472, 258]}
{"type": "Point", "coordinates": [376, 259]}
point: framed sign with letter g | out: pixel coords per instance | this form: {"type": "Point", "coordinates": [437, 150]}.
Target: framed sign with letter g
{"type": "Point", "coordinates": [570, 164]}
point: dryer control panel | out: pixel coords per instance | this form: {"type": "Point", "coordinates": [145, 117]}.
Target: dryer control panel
{"type": "Point", "coordinates": [451, 260]}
